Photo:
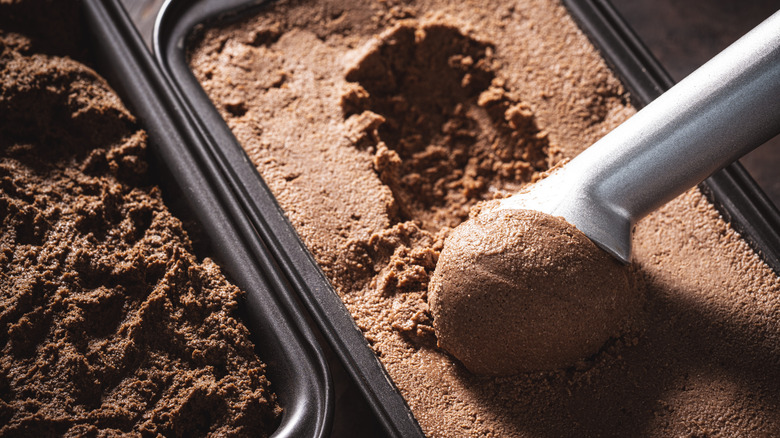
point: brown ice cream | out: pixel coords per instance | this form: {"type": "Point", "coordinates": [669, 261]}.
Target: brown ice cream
{"type": "Point", "coordinates": [379, 125]}
{"type": "Point", "coordinates": [109, 325]}
{"type": "Point", "coordinates": [519, 290]}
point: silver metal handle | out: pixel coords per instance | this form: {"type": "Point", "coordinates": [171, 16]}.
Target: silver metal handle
{"type": "Point", "coordinates": [726, 108]}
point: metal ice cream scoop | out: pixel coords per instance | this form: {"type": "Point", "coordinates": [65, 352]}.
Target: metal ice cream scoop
{"type": "Point", "coordinates": [723, 110]}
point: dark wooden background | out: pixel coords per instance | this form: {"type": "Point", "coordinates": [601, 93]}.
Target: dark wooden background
{"type": "Point", "coordinates": [682, 34]}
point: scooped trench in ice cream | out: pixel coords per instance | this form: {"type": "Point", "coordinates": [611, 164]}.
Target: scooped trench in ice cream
{"type": "Point", "coordinates": [520, 290]}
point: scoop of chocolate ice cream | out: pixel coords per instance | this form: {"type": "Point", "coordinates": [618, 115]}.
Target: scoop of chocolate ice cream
{"type": "Point", "coordinates": [519, 290]}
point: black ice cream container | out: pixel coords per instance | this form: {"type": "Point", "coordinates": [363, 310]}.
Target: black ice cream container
{"type": "Point", "coordinates": [731, 190]}
{"type": "Point", "coordinates": [296, 365]}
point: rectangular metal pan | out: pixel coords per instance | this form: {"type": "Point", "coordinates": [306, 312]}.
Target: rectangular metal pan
{"type": "Point", "coordinates": [296, 364]}
{"type": "Point", "coordinates": [731, 190]}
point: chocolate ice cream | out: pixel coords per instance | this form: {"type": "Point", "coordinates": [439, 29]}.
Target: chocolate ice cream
{"type": "Point", "coordinates": [109, 325]}
{"type": "Point", "coordinates": [379, 125]}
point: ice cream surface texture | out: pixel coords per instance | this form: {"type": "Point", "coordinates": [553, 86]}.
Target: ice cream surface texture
{"type": "Point", "coordinates": [109, 324]}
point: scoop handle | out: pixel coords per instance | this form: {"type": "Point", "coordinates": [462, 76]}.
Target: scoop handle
{"type": "Point", "coordinates": [721, 111]}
